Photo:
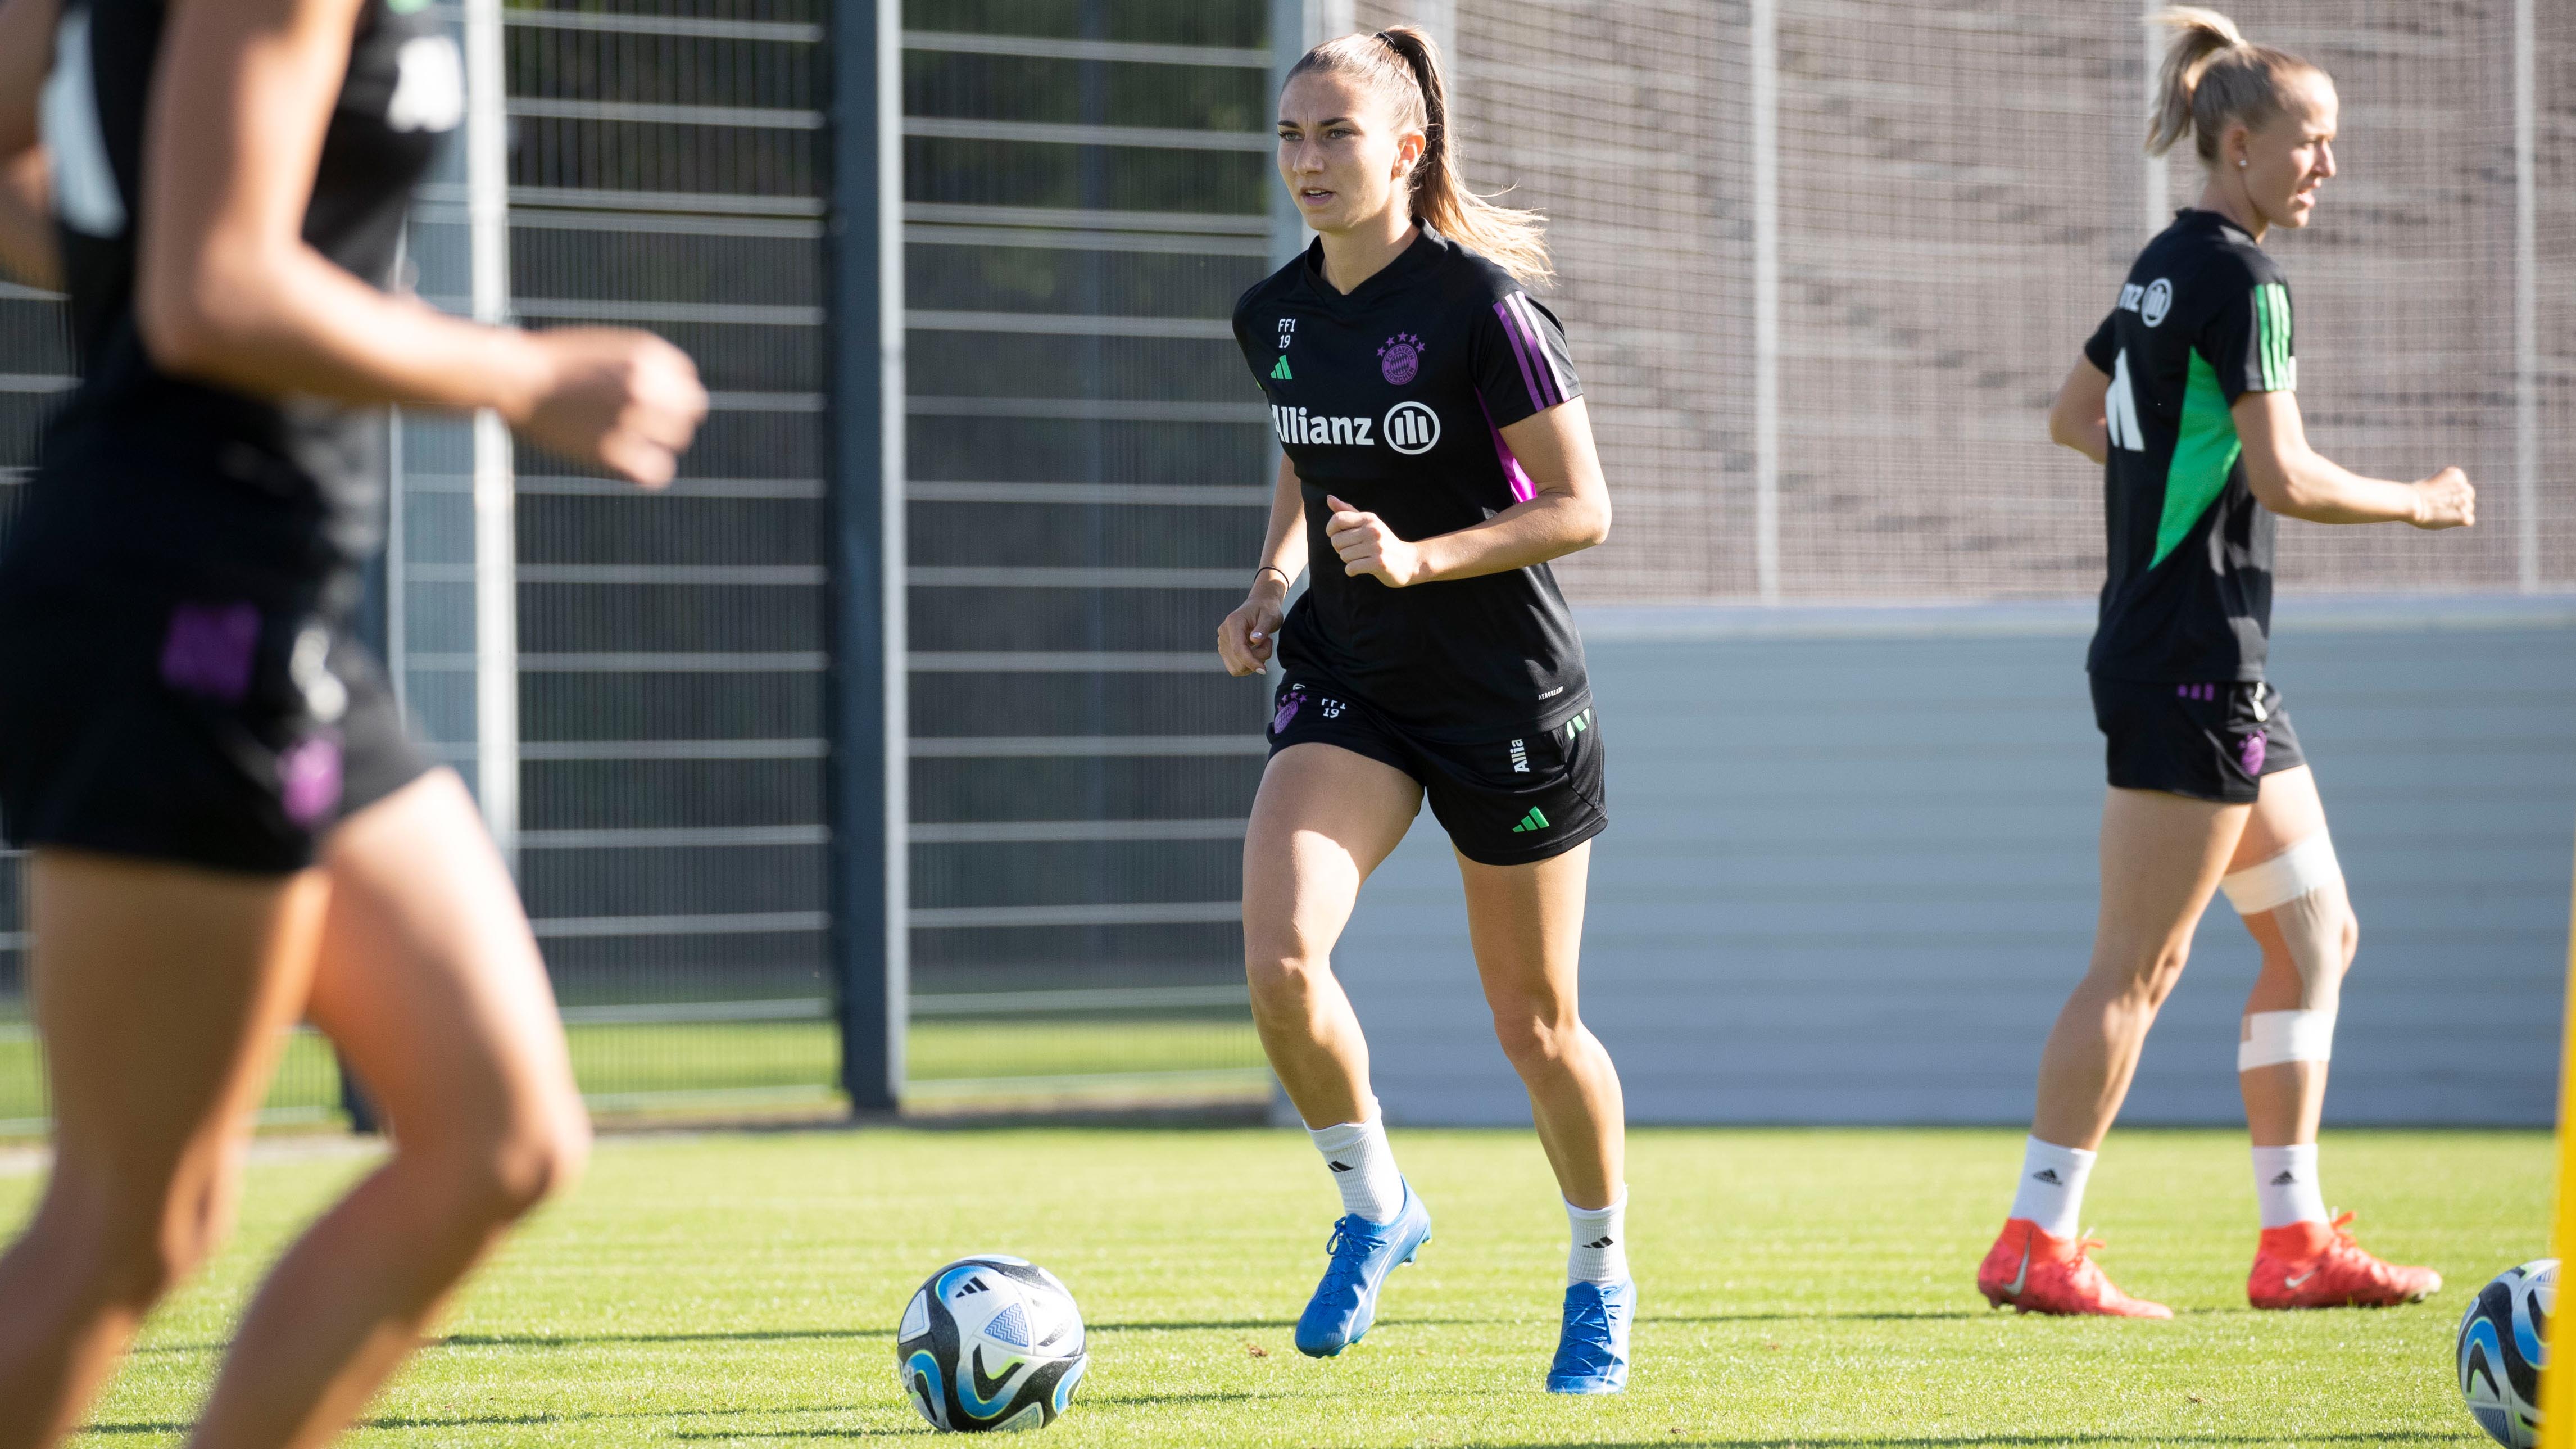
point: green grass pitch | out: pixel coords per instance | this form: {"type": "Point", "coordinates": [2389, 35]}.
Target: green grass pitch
{"type": "Point", "coordinates": [1799, 1288]}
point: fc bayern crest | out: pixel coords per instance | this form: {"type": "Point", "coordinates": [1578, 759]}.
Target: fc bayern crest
{"type": "Point", "coordinates": [1400, 360]}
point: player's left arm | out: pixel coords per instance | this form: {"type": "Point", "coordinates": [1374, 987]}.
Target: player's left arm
{"type": "Point", "coordinates": [27, 249]}
{"type": "Point", "coordinates": [1569, 511]}
{"type": "Point", "coordinates": [2078, 418]}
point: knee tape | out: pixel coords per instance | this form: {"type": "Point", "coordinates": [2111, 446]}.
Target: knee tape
{"type": "Point", "coordinates": [2285, 877]}
{"type": "Point", "coordinates": [2274, 1037]}
{"type": "Point", "coordinates": [2292, 886]}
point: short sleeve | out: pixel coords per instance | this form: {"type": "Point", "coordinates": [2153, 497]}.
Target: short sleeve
{"type": "Point", "coordinates": [2102, 349]}
{"type": "Point", "coordinates": [2247, 340]}
{"type": "Point", "coordinates": [1522, 366]}
{"type": "Point", "coordinates": [1243, 340]}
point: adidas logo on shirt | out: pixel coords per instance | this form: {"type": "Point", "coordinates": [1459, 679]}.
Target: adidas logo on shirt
{"type": "Point", "coordinates": [1281, 372]}
{"type": "Point", "coordinates": [1533, 821]}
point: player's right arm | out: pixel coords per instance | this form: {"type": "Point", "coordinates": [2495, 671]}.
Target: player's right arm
{"type": "Point", "coordinates": [1248, 636]}
{"type": "Point", "coordinates": [2291, 478]}
{"type": "Point", "coordinates": [227, 291]}
{"type": "Point", "coordinates": [26, 222]}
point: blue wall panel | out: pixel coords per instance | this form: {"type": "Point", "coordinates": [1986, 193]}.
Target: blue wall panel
{"type": "Point", "coordinates": [1851, 871]}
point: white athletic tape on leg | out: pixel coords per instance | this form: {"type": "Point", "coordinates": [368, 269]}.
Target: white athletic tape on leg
{"type": "Point", "coordinates": [2274, 1037]}
{"type": "Point", "coordinates": [2285, 877]}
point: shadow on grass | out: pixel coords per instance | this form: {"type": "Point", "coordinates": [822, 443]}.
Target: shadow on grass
{"type": "Point", "coordinates": [1086, 1401]}
{"type": "Point", "coordinates": [1827, 1316]}
{"type": "Point", "coordinates": [581, 1340]}
{"type": "Point", "coordinates": [1211, 1325]}
{"type": "Point", "coordinates": [1964, 1439]}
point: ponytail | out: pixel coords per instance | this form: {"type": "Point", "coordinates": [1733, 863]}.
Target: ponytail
{"type": "Point", "coordinates": [1402, 65]}
{"type": "Point", "coordinates": [2214, 76]}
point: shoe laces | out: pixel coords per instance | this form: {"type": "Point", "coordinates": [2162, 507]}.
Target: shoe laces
{"type": "Point", "coordinates": [1349, 1252]}
{"type": "Point", "coordinates": [2080, 1265]}
{"type": "Point", "coordinates": [1585, 1344]}
{"type": "Point", "coordinates": [2348, 1249]}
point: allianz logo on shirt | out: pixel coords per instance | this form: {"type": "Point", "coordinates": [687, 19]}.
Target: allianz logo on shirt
{"type": "Point", "coordinates": [2151, 302]}
{"type": "Point", "coordinates": [1410, 428]}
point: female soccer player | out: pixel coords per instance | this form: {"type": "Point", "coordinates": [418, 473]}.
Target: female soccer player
{"type": "Point", "coordinates": [228, 830]}
{"type": "Point", "coordinates": [1438, 455]}
{"type": "Point", "coordinates": [2187, 394]}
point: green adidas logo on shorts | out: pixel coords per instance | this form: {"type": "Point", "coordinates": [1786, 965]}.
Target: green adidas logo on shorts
{"type": "Point", "coordinates": [1532, 821]}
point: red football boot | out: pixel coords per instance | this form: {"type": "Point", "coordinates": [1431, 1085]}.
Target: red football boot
{"type": "Point", "coordinates": [2318, 1265]}
{"type": "Point", "coordinates": [2036, 1273]}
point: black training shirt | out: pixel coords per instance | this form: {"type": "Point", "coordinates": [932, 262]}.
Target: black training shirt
{"type": "Point", "coordinates": [142, 463]}
{"type": "Point", "coordinates": [2203, 319]}
{"type": "Point", "coordinates": [1392, 398]}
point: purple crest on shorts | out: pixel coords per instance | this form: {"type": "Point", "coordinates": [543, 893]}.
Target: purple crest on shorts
{"type": "Point", "coordinates": [2251, 753]}
{"type": "Point", "coordinates": [308, 779]}
{"type": "Point", "coordinates": [1288, 708]}
{"type": "Point", "coordinates": [210, 648]}
{"type": "Point", "coordinates": [1400, 360]}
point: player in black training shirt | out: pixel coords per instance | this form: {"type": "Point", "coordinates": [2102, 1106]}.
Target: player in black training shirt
{"type": "Point", "coordinates": [2188, 396]}
{"type": "Point", "coordinates": [1437, 457]}
{"type": "Point", "coordinates": [227, 829]}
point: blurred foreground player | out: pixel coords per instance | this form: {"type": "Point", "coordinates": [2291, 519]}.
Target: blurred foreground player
{"type": "Point", "coordinates": [2188, 395]}
{"type": "Point", "coordinates": [1438, 455]}
{"type": "Point", "coordinates": [229, 832]}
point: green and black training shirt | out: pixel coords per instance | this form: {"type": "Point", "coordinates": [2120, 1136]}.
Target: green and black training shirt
{"type": "Point", "coordinates": [2203, 319]}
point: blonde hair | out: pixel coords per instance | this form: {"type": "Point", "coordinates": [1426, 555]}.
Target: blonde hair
{"type": "Point", "coordinates": [2213, 75]}
{"type": "Point", "coordinates": [1401, 66]}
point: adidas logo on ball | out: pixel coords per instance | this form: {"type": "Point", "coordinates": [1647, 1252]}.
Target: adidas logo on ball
{"type": "Point", "coordinates": [990, 1342]}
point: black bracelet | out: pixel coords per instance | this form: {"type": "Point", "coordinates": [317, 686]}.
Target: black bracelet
{"type": "Point", "coordinates": [1274, 569]}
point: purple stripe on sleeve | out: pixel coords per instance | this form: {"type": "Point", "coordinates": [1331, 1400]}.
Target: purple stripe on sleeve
{"type": "Point", "coordinates": [1550, 391]}
{"type": "Point", "coordinates": [1523, 490]}
{"type": "Point", "coordinates": [1520, 350]}
{"type": "Point", "coordinates": [1538, 344]}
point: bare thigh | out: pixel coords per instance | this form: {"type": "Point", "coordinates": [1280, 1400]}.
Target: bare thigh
{"type": "Point", "coordinates": [1324, 819]}
{"type": "Point", "coordinates": [164, 993]}
{"type": "Point", "coordinates": [2162, 856]}
{"type": "Point", "coordinates": [2286, 812]}
{"type": "Point", "coordinates": [430, 982]}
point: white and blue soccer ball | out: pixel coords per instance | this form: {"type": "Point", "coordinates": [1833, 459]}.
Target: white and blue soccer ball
{"type": "Point", "coordinates": [2503, 1341]}
{"type": "Point", "coordinates": [990, 1342]}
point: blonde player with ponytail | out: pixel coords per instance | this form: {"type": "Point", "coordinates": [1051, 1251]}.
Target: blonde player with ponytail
{"type": "Point", "coordinates": [1437, 457]}
{"type": "Point", "coordinates": [2188, 397]}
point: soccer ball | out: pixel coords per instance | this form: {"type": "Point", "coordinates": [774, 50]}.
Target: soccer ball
{"type": "Point", "coordinates": [990, 1342]}
{"type": "Point", "coordinates": [2502, 1350]}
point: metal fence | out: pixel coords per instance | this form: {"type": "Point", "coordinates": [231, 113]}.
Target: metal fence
{"type": "Point", "coordinates": [1823, 262]}
{"type": "Point", "coordinates": [1085, 195]}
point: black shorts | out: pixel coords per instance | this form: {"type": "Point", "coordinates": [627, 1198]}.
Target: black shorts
{"type": "Point", "coordinates": [207, 731]}
{"type": "Point", "coordinates": [1508, 802]}
{"type": "Point", "coordinates": [2206, 741]}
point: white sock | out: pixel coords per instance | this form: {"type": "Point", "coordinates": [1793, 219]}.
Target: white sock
{"type": "Point", "coordinates": [1363, 1167]}
{"type": "Point", "coordinates": [1600, 1251]}
{"type": "Point", "coordinates": [2285, 1183]}
{"type": "Point", "coordinates": [2052, 1186]}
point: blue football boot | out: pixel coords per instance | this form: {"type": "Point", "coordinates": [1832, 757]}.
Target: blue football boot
{"type": "Point", "coordinates": [1345, 1303]}
{"type": "Point", "coordinates": [1592, 1347]}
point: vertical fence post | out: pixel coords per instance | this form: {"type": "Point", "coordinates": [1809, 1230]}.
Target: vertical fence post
{"type": "Point", "coordinates": [1764, 97]}
{"type": "Point", "coordinates": [2156, 184]}
{"type": "Point", "coordinates": [2526, 312]}
{"type": "Point", "coordinates": [496, 561]}
{"type": "Point", "coordinates": [869, 814]}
